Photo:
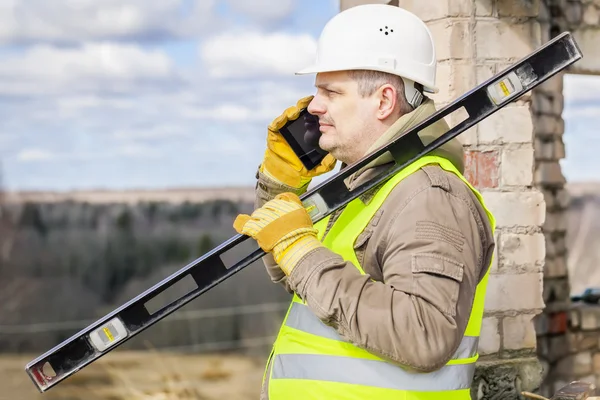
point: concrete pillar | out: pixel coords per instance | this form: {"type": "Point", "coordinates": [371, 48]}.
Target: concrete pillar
{"type": "Point", "coordinates": [474, 40]}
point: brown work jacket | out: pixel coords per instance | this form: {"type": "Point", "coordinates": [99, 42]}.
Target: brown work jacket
{"type": "Point", "coordinates": [406, 308]}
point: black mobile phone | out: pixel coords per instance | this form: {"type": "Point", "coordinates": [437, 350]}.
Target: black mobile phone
{"type": "Point", "coordinates": [303, 135]}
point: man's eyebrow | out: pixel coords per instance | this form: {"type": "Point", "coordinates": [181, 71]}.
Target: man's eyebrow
{"type": "Point", "coordinates": [325, 86]}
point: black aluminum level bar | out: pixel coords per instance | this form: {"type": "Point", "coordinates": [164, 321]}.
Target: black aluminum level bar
{"type": "Point", "coordinates": [211, 269]}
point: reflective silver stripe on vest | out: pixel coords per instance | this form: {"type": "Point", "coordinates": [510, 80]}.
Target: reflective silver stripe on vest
{"type": "Point", "coordinates": [302, 318]}
{"type": "Point", "coordinates": [370, 373]}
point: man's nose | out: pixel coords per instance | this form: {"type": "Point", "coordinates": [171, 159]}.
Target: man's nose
{"type": "Point", "coordinates": [315, 106]}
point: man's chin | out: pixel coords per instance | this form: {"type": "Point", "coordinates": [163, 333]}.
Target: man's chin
{"type": "Point", "coordinates": [325, 145]}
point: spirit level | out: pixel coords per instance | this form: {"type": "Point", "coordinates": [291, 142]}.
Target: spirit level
{"type": "Point", "coordinates": [211, 269]}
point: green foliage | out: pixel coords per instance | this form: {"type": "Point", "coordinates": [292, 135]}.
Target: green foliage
{"type": "Point", "coordinates": [205, 244]}
{"type": "Point", "coordinates": [106, 246]}
{"type": "Point", "coordinates": [125, 221]}
{"type": "Point", "coordinates": [31, 218]}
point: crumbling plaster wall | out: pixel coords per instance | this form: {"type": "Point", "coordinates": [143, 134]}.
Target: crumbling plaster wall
{"type": "Point", "coordinates": [513, 159]}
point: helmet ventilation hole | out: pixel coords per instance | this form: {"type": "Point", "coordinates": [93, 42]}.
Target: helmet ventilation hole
{"type": "Point", "coordinates": [387, 30]}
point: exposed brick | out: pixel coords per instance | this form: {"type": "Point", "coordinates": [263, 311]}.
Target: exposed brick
{"type": "Point", "coordinates": [549, 150]}
{"type": "Point", "coordinates": [589, 318]}
{"type": "Point", "coordinates": [560, 129]}
{"type": "Point", "coordinates": [518, 8]}
{"type": "Point", "coordinates": [484, 72]}
{"type": "Point", "coordinates": [460, 8]}
{"type": "Point", "coordinates": [504, 39]}
{"type": "Point", "coordinates": [571, 342]}
{"type": "Point", "coordinates": [575, 318]}
{"type": "Point", "coordinates": [573, 13]}
{"type": "Point", "coordinates": [563, 198]}
{"type": "Point", "coordinates": [518, 332]}
{"type": "Point", "coordinates": [489, 338]}
{"type": "Point", "coordinates": [587, 40]}
{"type": "Point", "coordinates": [542, 103]}
{"type": "Point", "coordinates": [484, 8]}
{"type": "Point", "coordinates": [547, 126]}
{"type": "Point", "coordinates": [581, 341]}
{"type": "Point", "coordinates": [517, 167]}
{"type": "Point", "coordinates": [453, 80]}
{"type": "Point", "coordinates": [549, 198]}
{"type": "Point", "coordinates": [452, 39]}
{"type": "Point", "coordinates": [556, 268]}
{"type": "Point", "coordinates": [521, 249]}
{"type": "Point", "coordinates": [516, 208]}
{"type": "Point", "coordinates": [514, 292]}
{"type": "Point", "coordinates": [556, 222]}
{"type": "Point", "coordinates": [481, 168]}
{"type": "Point", "coordinates": [512, 124]}
{"type": "Point", "coordinates": [596, 362]}
{"type": "Point", "coordinates": [545, 18]}
{"type": "Point", "coordinates": [428, 11]}
{"type": "Point", "coordinates": [556, 290]}
{"type": "Point", "coordinates": [558, 322]}
{"type": "Point", "coordinates": [578, 364]}
{"type": "Point", "coordinates": [549, 173]}
{"type": "Point", "coordinates": [558, 103]}
{"type": "Point", "coordinates": [591, 16]}
{"type": "Point", "coordinates": [494, 269]}
{"type": "Point", "coordinates": [553, 85]}
{"type": "Point", "coordinates": [555, 246]}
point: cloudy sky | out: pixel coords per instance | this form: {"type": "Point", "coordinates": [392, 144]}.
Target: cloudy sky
{"type": "Point", "coordinates": [157, 93]}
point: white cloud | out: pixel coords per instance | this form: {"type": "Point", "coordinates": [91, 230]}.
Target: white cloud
{"type": "Point", "coordinates": [247, 54]}
{"type": "Point", "coordinates": [264, 9]}
{"type": "Point", "coordinates": [137, 150]}
{"type": "Point", "coordinates": [73, 105]}
{"type": "Point", "coordinates": [86, 101]}
{"type": "Point", "coordinates": [72, 21]}
{"type": "Point", "coordinates": [166, 131]}
{"type": "Point", "coordinates": [34, 154]}
{"type": "Point", "coordinates": [93, 66]}
{"type": "Point", "coordinates": [130, 150]}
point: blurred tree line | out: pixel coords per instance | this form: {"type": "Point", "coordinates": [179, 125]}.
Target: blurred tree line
{"type": "Point", "coordinates": [78, 261]}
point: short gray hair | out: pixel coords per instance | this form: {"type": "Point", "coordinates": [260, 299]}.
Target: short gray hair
{"type": "Point", "coordinates": [369, 81]}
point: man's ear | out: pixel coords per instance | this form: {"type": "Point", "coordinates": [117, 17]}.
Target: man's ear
{"type": "Point", "coordinates": [387, 101]}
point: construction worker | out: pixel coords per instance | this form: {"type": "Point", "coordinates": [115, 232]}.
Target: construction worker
{"type": "Point", "coordinates": [388, 292]}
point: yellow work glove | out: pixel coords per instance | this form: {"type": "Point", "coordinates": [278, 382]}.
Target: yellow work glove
{"type": "Point", "coordinates": [280, 162]}
{"type": "Point", "coordinates": [282, 227]}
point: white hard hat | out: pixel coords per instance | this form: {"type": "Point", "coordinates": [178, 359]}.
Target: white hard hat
{"type": "Point", "coordinates": [383, 38]}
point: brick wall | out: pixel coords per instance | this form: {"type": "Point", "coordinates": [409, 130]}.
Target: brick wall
{"type": "Point", "coordinates": [567, 334]}
{"type": "Point", "coordinates": [513, 159]}
{"type": "Point", "coordinates": [474, 41]}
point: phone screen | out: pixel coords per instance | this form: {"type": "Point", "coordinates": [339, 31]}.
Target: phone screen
{"type": "Point", "coordinates": [303, 135]}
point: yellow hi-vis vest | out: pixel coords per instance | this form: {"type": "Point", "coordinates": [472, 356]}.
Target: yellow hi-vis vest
{"type": "Point", "coordinates": [310, 360]}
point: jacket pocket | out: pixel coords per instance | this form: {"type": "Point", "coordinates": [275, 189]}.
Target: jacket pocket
{"type": "Point", "coordinates": [360, 245]}
{"type": "Point", "coordinates": [361, 242]}
{"type": "Point", "coordinates": [437, 280]}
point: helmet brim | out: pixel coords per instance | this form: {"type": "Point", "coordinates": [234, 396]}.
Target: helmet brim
{"type": "Point", "coordinates": [317, 68]}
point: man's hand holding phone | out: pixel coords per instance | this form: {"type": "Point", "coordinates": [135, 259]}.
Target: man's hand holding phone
{"type": "Point", "coordinates": [281, 161]}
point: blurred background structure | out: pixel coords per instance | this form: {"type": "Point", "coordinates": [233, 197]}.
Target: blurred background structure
{"type": "Point", "coordinates": [129, 136]}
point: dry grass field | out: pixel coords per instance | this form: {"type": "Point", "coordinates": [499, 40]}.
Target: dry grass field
{"type": "Point", "coordinates": [143, 376]}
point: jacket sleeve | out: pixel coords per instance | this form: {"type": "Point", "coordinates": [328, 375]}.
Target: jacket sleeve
{"type": "Point", "coordinates": [266, 189]}
{"type": "Point", "coordinates": [432, 257]}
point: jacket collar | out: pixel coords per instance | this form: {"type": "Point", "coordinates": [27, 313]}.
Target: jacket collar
{"type": "Point", "coordinates": [452, 150]}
